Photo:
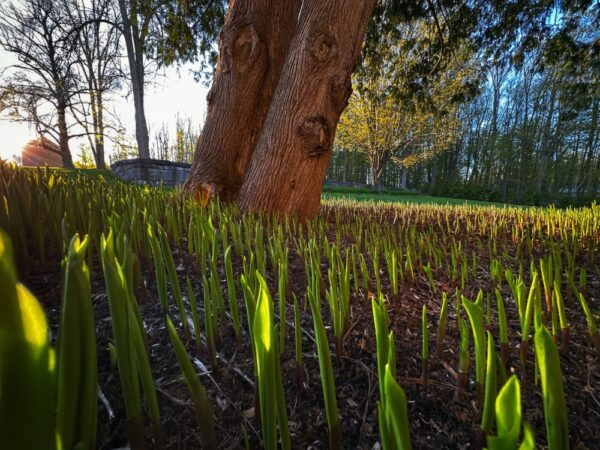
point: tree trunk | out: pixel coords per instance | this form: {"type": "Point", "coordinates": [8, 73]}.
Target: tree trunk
{"type": "Point", "coordinates": [374, 168]}
{"type": "Point", "coordinates": [63, 138]}
{"type": "Point", "coordinates": [253, 45]}
{"type": "Point", "coordinates": [546, 146]}
{"type": "Point", "coordinates": [97, 108]}
{"type": "Point", "coordinates": [288, 168]}
{"type": "Point", "coordinates": [404, 178]}
{"type": "Point", "coordinates": [135, 59]}
{"type": "Point", "coordinates": [99, 138]}
{"type": "Point", "coordinates": [279, 90]}
{"type": "Point", "coordinates": [141, 127]}
{"type": "Point", "coordinates": [590, 150]}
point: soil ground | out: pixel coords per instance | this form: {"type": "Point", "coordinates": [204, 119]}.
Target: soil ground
{"type": "Point", "coordinates": [437, 421]}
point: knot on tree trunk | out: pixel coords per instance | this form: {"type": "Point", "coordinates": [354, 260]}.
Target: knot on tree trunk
{"type": "Point", "coordinates": [322, 46]}
{"type": "Point", "coordinates": [316, 134]}
{"type": "Point", "coordinates": [239, 46]}
{"type": "Point", "coordinates": [245, 47]}
{"type": "Point", "coordinates": [200, 191]}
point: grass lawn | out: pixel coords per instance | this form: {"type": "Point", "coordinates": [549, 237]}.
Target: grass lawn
{"type": "Point", "coordinates": [409, 198]}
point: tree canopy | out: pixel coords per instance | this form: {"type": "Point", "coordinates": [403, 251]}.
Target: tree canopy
{"type": "Point", "coordinates": [387, 119]}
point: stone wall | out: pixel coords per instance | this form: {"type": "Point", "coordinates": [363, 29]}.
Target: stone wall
{"type": "Point", "coordinates": [151, 171]}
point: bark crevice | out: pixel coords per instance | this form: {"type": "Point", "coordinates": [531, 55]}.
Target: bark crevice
{"type": "Point", "coordinates": [340, 90]}
{"type": "Point", "coordinates": [316, 134]}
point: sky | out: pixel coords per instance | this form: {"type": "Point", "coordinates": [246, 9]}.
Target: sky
{"type": "Point", "coordinates": [174, 92]}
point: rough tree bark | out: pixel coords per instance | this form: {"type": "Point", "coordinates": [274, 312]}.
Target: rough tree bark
{"type": "Point", "coordinates": [253, 45]}
{"type": "Point", "coordinates": [270, 129]}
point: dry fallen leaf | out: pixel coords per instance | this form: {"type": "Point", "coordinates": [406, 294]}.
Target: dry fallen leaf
{"type": "Point", "coordinates": [248, 413]}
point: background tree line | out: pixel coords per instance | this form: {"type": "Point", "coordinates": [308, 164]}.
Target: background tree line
{"type": "Point", "coordinates": [515, 123]}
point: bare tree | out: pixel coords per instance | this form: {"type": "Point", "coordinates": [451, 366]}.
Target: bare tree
{"type": "Point", "coordinates": [181, 147]}
{"type": "Point", "coordinates": [43, 83]}
{"type": "Point", "coordinates": [165, 32]}
{"type": "Point", "coordinates": [98, 64]}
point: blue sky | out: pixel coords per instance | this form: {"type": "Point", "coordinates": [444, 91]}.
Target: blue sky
{"type": "Point", "coordinates": [172, 93]}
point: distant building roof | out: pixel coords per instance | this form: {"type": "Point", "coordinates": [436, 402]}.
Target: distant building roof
{"type": "Point", "coordinates": [41, 152]}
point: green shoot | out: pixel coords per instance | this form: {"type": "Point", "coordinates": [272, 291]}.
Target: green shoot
{"type": "Point", "coordinates": [424, 349]}
{"type": "Point", "coordinates": [272, 402]}
{"type": "Point", "coordinates": [202, 403]}
{"type": "Point", "coordinates": [170, 265]}
{"type": "Point", "coordinates": [487, 417]}
{"type": "Point", "coordinates": [441, 329]}
{"type": "Point", "coordinates": [159, 267]}
{"type": "Point", "coordinates": [503, 328]}
{"type": "Point", "coordinates": [210, 324]}
{"type": "Point", "coordinates": [509, 418]}
{"type": "Point", "coordinates": [560, 306]}
{"type": "Point", "coordinates": [526, 321]}
{"type": "Point", "coordinates": [298, 342]}
{"type": "Point", "coordinates": [194, 311]}
{"type": "Point", "coordinates": [232, 294]}
{"type": "Point", "coordinates": [475, 314]}
{"type": "Point", "coordinates": [27, 364]}
{"type": "Point", "coordinates": [76, 351]}
{"type": "Point", "coordinates": [591, 323]}
{"type": "Point", "coordinates": [325, 368]}
{"type": "Point", "coordinates": [555, 407]}
{"type": "Point", "coordinates": [396, 412]}
{"type": "Point", "coordinates": [392, 408]}
{"type": "Point", "coordinates": [464, 361]}
{"type": "Point", "coordinates": [430, 278]}
{"type": "Point", "coordinates": [124, 345]}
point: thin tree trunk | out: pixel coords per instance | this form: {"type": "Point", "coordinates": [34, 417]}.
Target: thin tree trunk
{"type": "Point", "coordinates": [63, 138]}
{"type": "Point", "coordinates": [99, 138]}
{"type": "Point", "coordinates": [135, 59]}
{"type": "Point", "coordinates": [545, 146]}
{"type": "Point", "coordinates": [590, 150]}
{"type": "Point", "coordinates": [253, 46]}
{"type": "Point", "coordinates": [96, 105]}
{"type": "Point", "coordinates": [288, 168]}
{"type": "Point", "coordinates": [141, 127]}
{"type": "Point", "coordinates": [375, 169]}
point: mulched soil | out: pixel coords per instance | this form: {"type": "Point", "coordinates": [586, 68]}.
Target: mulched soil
{"type": "Point", "coordinates": [437, 421]}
